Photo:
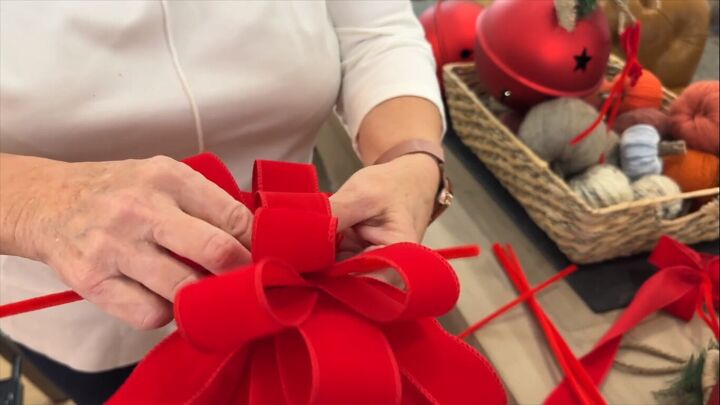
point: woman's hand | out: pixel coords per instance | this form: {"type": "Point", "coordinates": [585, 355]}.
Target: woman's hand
{"type": "Point", "coordinates": [387, 203]}
{"type": "Point", "coordinates": [110, 229]}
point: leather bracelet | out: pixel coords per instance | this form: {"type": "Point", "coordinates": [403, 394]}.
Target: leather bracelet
{"type": "Point", "coordinates": [411, 146]}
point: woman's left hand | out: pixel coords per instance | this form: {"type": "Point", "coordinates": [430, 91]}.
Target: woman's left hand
{"type": "Point", "coordinates": [387, 203]}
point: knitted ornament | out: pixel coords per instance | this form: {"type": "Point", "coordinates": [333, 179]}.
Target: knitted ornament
{"type": "Point", "coordinates": [450, 29]}
{"type": "Point", "coordinates": [693, 171]}
{"type": "Point", "coordinates": [647, 93]}
{"type": "Point", "coordinates": [694, 116]}
{"type": "Point", "coordinates": [603, 186]}
{"type": "Point", "coordinates": [656, 185]}
{"type": "Point", "coordinates": [648, 116]}
{"type": "Point", "coordinates": [549, 127]}
{"type": "Point", "coordinates": [639, 151]}
{"type": "Point", "coordinates": [612, 149]}
{"type": "Point", "coordinates": [551, 51]}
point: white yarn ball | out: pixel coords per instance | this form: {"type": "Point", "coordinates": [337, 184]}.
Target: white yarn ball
{"type": "Point", "coordinates": [657, 185]}
{"type": "Point", "coordinates": [602, 186]}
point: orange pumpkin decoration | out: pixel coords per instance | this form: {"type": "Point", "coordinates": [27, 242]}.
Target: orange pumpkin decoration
{"type": "Point", "coordinates": [647, 93]}
{"type": "Point", "coordinates": [693, 171]}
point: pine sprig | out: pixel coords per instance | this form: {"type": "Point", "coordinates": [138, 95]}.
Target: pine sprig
{"type": "Point", "coordinates": [687, 388]}
{"type": "Point", "coordinates": [585, 7]}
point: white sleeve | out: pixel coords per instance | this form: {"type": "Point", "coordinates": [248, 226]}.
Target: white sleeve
{"type": "Point", "coordinates": [384, 55]}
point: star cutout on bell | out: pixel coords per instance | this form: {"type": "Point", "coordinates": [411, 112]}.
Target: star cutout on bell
{"type": "Point", "coordinates": [582, 60]}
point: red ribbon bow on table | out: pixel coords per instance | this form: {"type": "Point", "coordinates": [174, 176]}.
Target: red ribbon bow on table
{"type": "Point", "coordinates": [686, 283]}
{"type": "Point", "coordinates": [295, 327]}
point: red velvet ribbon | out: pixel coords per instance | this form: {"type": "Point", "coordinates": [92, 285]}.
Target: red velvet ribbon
{"type": "Point", "coordinates": [295, 327]}
{"type": "Point", "coordinates": [630, 42]}
{"type": "Point", "coordinates": [686, 283]}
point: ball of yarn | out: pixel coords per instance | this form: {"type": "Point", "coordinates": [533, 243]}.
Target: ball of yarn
{"type": "Point", "coordinates": [647, 93]}
{"type": "Point", "coordinates": [603, 186]}
{"type": "Point", "coordinates": [549, 127]}
{"type": "Point", "coordinates": [657, 185]}
{"type": "Point", "coordinates": [649, 116]}
{"type": "Point", "coordinates": [694, 116]}
{"type": "Point", "coordinates": [639, 151]}
{"type": "Point", "coordinates": [694, 170]}
{"type": "Point", "coordinates": [612, 149]}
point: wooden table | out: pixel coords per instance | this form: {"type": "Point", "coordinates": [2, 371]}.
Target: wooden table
{"type": "Point", "coordinates": [485, 213]}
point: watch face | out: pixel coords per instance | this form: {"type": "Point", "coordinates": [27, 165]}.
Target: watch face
{"type": "Point", "coordinates": [445, 197]}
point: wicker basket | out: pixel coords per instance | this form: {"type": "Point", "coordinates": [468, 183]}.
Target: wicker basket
{"type": "Point", "coordinates": [584, 234]}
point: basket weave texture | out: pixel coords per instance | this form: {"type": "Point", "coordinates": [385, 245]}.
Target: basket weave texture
{"type": "Point", "coordinates": [583, 233]}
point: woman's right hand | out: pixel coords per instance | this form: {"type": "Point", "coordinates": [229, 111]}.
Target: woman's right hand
{"type": "Point", "coordinates": [109, 229]}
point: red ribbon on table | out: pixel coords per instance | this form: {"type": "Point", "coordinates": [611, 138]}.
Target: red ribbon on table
{"type": "Point", "coordinates": [295, 327]}
{"type": "Point", "coordinates": [687, 282]}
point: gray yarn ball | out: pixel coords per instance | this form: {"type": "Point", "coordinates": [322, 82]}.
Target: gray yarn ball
{"type": "Point", "coordinates": [657, 185]}
{"type": "Point", "coordinates": [639, 151]}
{"type": "Point", "coordinates": [549, 127]}
{"type": "Point", "coordinates": [602, 186]}
{"type": "Point", "coordinates": [612, 149]}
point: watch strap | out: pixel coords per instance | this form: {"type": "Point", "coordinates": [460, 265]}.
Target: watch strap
{"type": "Point", "coordinates": [445, 195]}
{"type": "Point", "coordinates": [410, 146]}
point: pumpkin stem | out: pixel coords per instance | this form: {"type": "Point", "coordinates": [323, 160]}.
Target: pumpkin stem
{"type": "Point", "coordinates": [668, 148]}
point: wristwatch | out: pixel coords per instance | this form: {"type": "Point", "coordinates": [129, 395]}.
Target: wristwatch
{"type": "Point", "coordinates": [445, 195]}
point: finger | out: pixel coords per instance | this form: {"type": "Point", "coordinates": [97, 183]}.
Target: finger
{"type": "Point", "coordinates": [204, 199]}
{"type": "Point", "coordinates": [352, 241]}
{"type": "Point", "coordinates": [197, 240]}
{"type": "Point", "coordinates": [350, 208]}
{"type": "Point", "coordinates": [129, 301]}
{"type": "Point", "coordinates": [159, 272]}
{"type": "Point", "coordinates": [387, 234]}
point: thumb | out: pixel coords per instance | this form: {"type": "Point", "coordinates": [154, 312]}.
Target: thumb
{"type": "Point", "coordinates": [346, 209]}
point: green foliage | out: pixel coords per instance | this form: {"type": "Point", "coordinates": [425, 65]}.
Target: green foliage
{"type": "Point", "coordinates": [585, 7]}
{"type": "Point", "coordinates": [687, 387]}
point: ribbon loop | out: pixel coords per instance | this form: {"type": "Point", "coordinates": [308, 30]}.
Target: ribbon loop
{"type": "Point", "coordinates": [284, 177]}
{"type": "Point", "coordinates": [431, 289]}
{"type": "Point", "coordinates": [304, 240]}
{"type": "Point", "coordinates": [308, 202]}
{"type": "Point", "coordinates": [255, 301]}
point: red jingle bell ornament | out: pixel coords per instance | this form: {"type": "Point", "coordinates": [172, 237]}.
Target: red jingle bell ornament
{"type": "Point", "coordinates": [450, 29]}
{"type": "Point", "coordinates": [527, 51]}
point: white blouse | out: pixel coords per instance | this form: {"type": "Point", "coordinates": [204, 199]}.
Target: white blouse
{"type": "Point", "coordinates": [107, 80]}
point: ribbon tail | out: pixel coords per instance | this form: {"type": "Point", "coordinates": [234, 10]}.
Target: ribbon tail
{"type": "Point", "coordinates": [264, 376]}
{"type": "Point", "coordinates": [441, 368]}
{"type": "Point", "coordinates": [336, 357]}
{"type": "Point", "coordinates": [175, 373]}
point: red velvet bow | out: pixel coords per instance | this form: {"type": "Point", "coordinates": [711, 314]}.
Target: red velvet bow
{"type": "Point", "coordinates": [295, 327]}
